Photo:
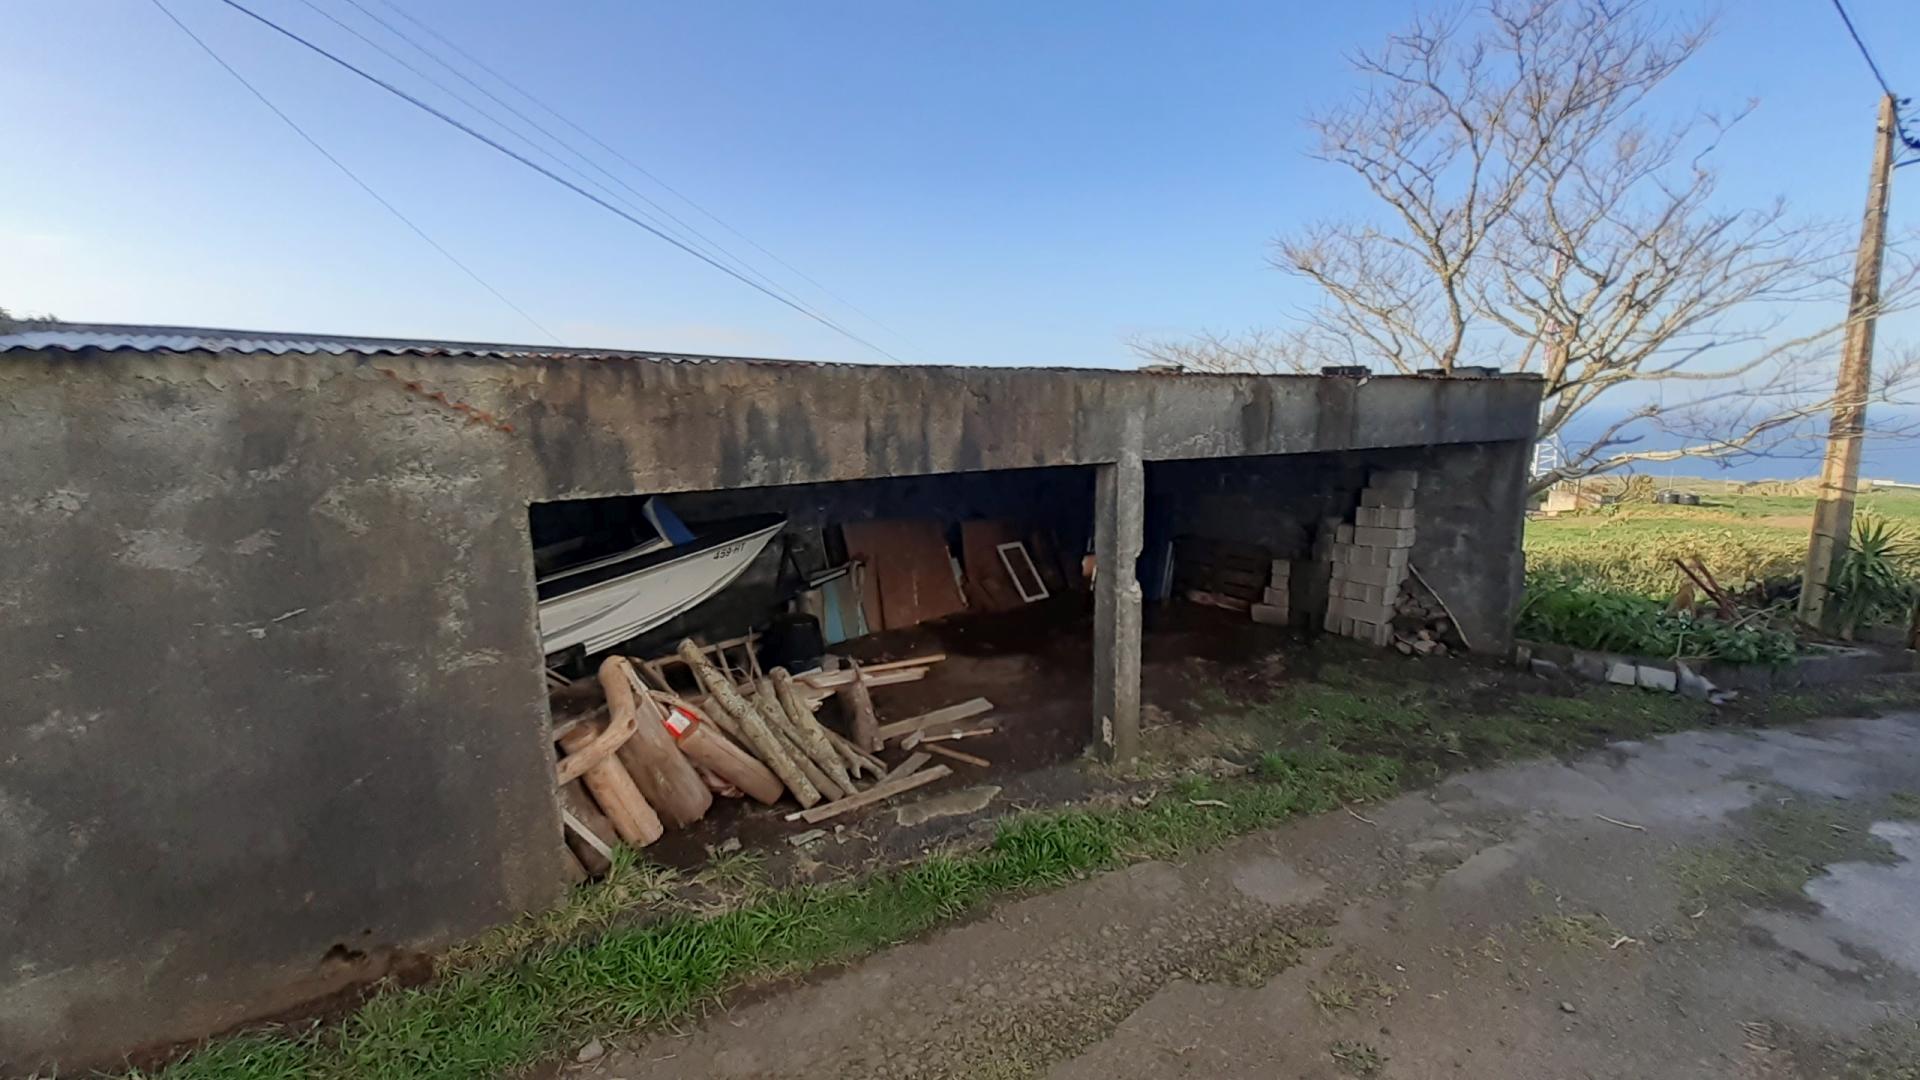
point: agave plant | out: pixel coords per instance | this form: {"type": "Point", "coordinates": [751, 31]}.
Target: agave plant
{"type": "Point", "coordinates": [1876, 581]}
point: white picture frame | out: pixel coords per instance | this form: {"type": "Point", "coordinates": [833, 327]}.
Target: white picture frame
{"type": "Point", "coordinates": [1039, 590]}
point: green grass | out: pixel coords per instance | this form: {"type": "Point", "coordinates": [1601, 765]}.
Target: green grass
{"type": "Point", "coordinates": [1891, 1051]}
{"type": "Point", "coordinates": [1351, 736]}
{"type": "Point", "coordinates": [1356, 1058]}
{"type": "Point", "coordinates": [491, 1015]}
{"type": "Point", "coordinates": [1786, 841]}
{"type": "Point", "coordinates": [529, 990]}
{"type": "Point", "coordinates": [1586, 616]}
{"type": "Point", "coordinates": [1742, 538]}
{"type": "Point", "coordinates": [1572, 931]}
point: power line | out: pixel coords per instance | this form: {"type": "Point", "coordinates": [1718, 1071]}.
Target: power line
{"type": "Point", "coordinates": [480, 110]}
{"type": "Point", "coordinates": [555, 177]}
{"type": "Point", "coordinates": [1862, 46]}
{"type": "Point", "coordinates": [624, 159]}
{"type": "Point", "coordinates": [685, 229]}
{"type": "Point", "coordinates": [1899, 121]}
{"type": "Point", "coordinates": [350, 174]}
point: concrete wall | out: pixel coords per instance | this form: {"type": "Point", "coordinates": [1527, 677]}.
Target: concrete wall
{"type": "Point", "coordinates": [272, 711]}
{"type": "Point", "coordinates": [1470, 504]}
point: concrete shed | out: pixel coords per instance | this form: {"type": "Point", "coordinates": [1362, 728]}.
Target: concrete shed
{"type": "Point", "coordinates": [273, 717]}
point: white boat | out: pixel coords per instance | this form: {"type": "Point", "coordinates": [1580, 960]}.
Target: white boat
{"type": "Point", "coordinates": [600, 603]}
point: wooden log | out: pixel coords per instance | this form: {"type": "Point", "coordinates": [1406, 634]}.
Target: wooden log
{"type": "Point", "coordinates": [581, 694]}
{"type": "Point", "coordinates": [607, 781]}
{"type": "Point", "coordinates": [857, 759]}
{"type": "Point", "coordinates": [589, 834]}
{"type": "Point", "coordinates": [706, 745]}
{"type": "Point", "coordinates": [805, 729]}
{"type": "Point", "coordinates": [765, 745]}
{"type": "Point", "coordinates": [589, 745]}
{"type": "Point", "coordinates": [599, 715]}
{"type": "Point", "coordinates": [656, 673]}
{"type": "Point", "coordinates": [718, 784]}
{"type": "Point", "coordinates": [652, 757]}
{"type": "Point", "coordinates": [815, 775]}
{"type": "Point", "coordinates": [776, 718]}
{"type": "Point", "coordinates": [948, 715]}
{"type": "Point", "coordinates": [877, 793]}
{"type": "Point", "coordinates": [866, 722]}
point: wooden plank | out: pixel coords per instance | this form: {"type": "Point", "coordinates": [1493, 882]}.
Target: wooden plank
{"type": "Point", "coordinates": [895, 665]}
{"type": "Point", "coordinates": [907, 767]}
{"type": "Point", "coordinates": [989, 587]}
{"type": "Point", "coordinates": [947, 715]}
{"type": "Point", "coordinates": [959, 756]}
{"type": "Point", "coordinates": [912, 571]}
{"type": "Point", "coordinates": [829, 680]}
{"type": "Point", "coordinates": [877, 793]}
{"type": "Point", "coordinates": [948, 736]}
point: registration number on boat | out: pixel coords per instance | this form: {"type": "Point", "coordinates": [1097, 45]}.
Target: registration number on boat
{"type": "Point", "coordinates": [729, 551]}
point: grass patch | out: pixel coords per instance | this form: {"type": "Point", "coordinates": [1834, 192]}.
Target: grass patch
{"type": "Point", "coordinates": [1349, 737]}
{"type": "Point", "coordinates": [1572, 931]}
{"type": "Point", "coordinates": [523, 992]}
{"type": "Point", "coordinates": [1890, 1052]}
{"type": "Point", "coordinates": [1743, 538]}
{"type": "Point", "coordinates": [1577, 612]}
{"type": "Point", "coordinates": [1357, 1058]}
{"type": "Point", "coordinates": [1347, 984]}
{"type": "Point", "coordinates": [1787, 841]}
{"type": "Point", "coordinates": [1255, 959]}
{"type": "Point", "coordinates": [491, 1015]}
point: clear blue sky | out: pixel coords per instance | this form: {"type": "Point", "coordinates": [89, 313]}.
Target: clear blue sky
{"type": "Point", "coordinates": [993, 181]}
{"type": "Point", "coordinates": [1001, 183]}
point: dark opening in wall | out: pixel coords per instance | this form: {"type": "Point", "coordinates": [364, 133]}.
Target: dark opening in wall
{"type": "Point", "coordinates": [1232, 511]}
{"type": "Point", "coordinates": [821, 528]}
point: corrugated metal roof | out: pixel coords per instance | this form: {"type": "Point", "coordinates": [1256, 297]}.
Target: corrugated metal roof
{"type": "Point", "coordinates": [115, 337]}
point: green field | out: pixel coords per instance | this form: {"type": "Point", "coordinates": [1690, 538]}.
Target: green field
{"type": "Point", "coordinates": [1744, 533]}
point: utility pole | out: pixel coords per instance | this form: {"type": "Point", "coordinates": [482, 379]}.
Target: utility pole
{"type": "Point", "coordinates": [1840, 473]}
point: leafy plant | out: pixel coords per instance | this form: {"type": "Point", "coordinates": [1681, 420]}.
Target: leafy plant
{"type": "Point", "coordinates": [1586, 616]}
{"type": "Point", "coordinates": [1875, 583]}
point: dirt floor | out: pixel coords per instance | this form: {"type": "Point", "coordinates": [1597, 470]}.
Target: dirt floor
{"type": "Point", "coordinates": [1035, 666]}
{"type": "Point", "coordinates": [1721, 903]}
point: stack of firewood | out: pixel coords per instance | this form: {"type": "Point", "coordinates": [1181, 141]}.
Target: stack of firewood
{"type": "Point", "coordinates": [652, 757]}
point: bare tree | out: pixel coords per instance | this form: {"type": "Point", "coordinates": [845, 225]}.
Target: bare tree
{"type": "Point", "coordinates": [10, 322]}
{"type": "Point", "coordinates": [1534, 219]}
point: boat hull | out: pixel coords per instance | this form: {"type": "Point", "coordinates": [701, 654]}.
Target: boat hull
{"type": "Point", "coordinates": [604, 614]}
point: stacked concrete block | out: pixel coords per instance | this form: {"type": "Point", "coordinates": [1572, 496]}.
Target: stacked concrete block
{"type": "Point", "coordinates": [1273, 606]}
{"type": "Point", "coordinates": [1368, 558]}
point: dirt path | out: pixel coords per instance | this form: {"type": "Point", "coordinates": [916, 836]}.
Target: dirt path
{"type": "Point", "coordinates": [1499, 925]}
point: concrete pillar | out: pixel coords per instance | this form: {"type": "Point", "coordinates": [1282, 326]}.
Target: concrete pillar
{"type": "Point", "coordinates": [1471, 513]}
{"type": "Point", "coordinates": [1119, 508]}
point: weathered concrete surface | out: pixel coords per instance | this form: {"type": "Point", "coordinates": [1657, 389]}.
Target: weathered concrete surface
{"type": "Point", "coordinates": [1494, 927]}
{"type": "Point", "coordinates": [1119, 509]}
{"type": "Point", "coordinates": [1471, 511]}
{"type": "Point", "coordinates": [273, 709]}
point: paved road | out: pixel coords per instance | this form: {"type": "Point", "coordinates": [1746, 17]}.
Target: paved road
{"type": "Point", "coordinates": [1496, 926]}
